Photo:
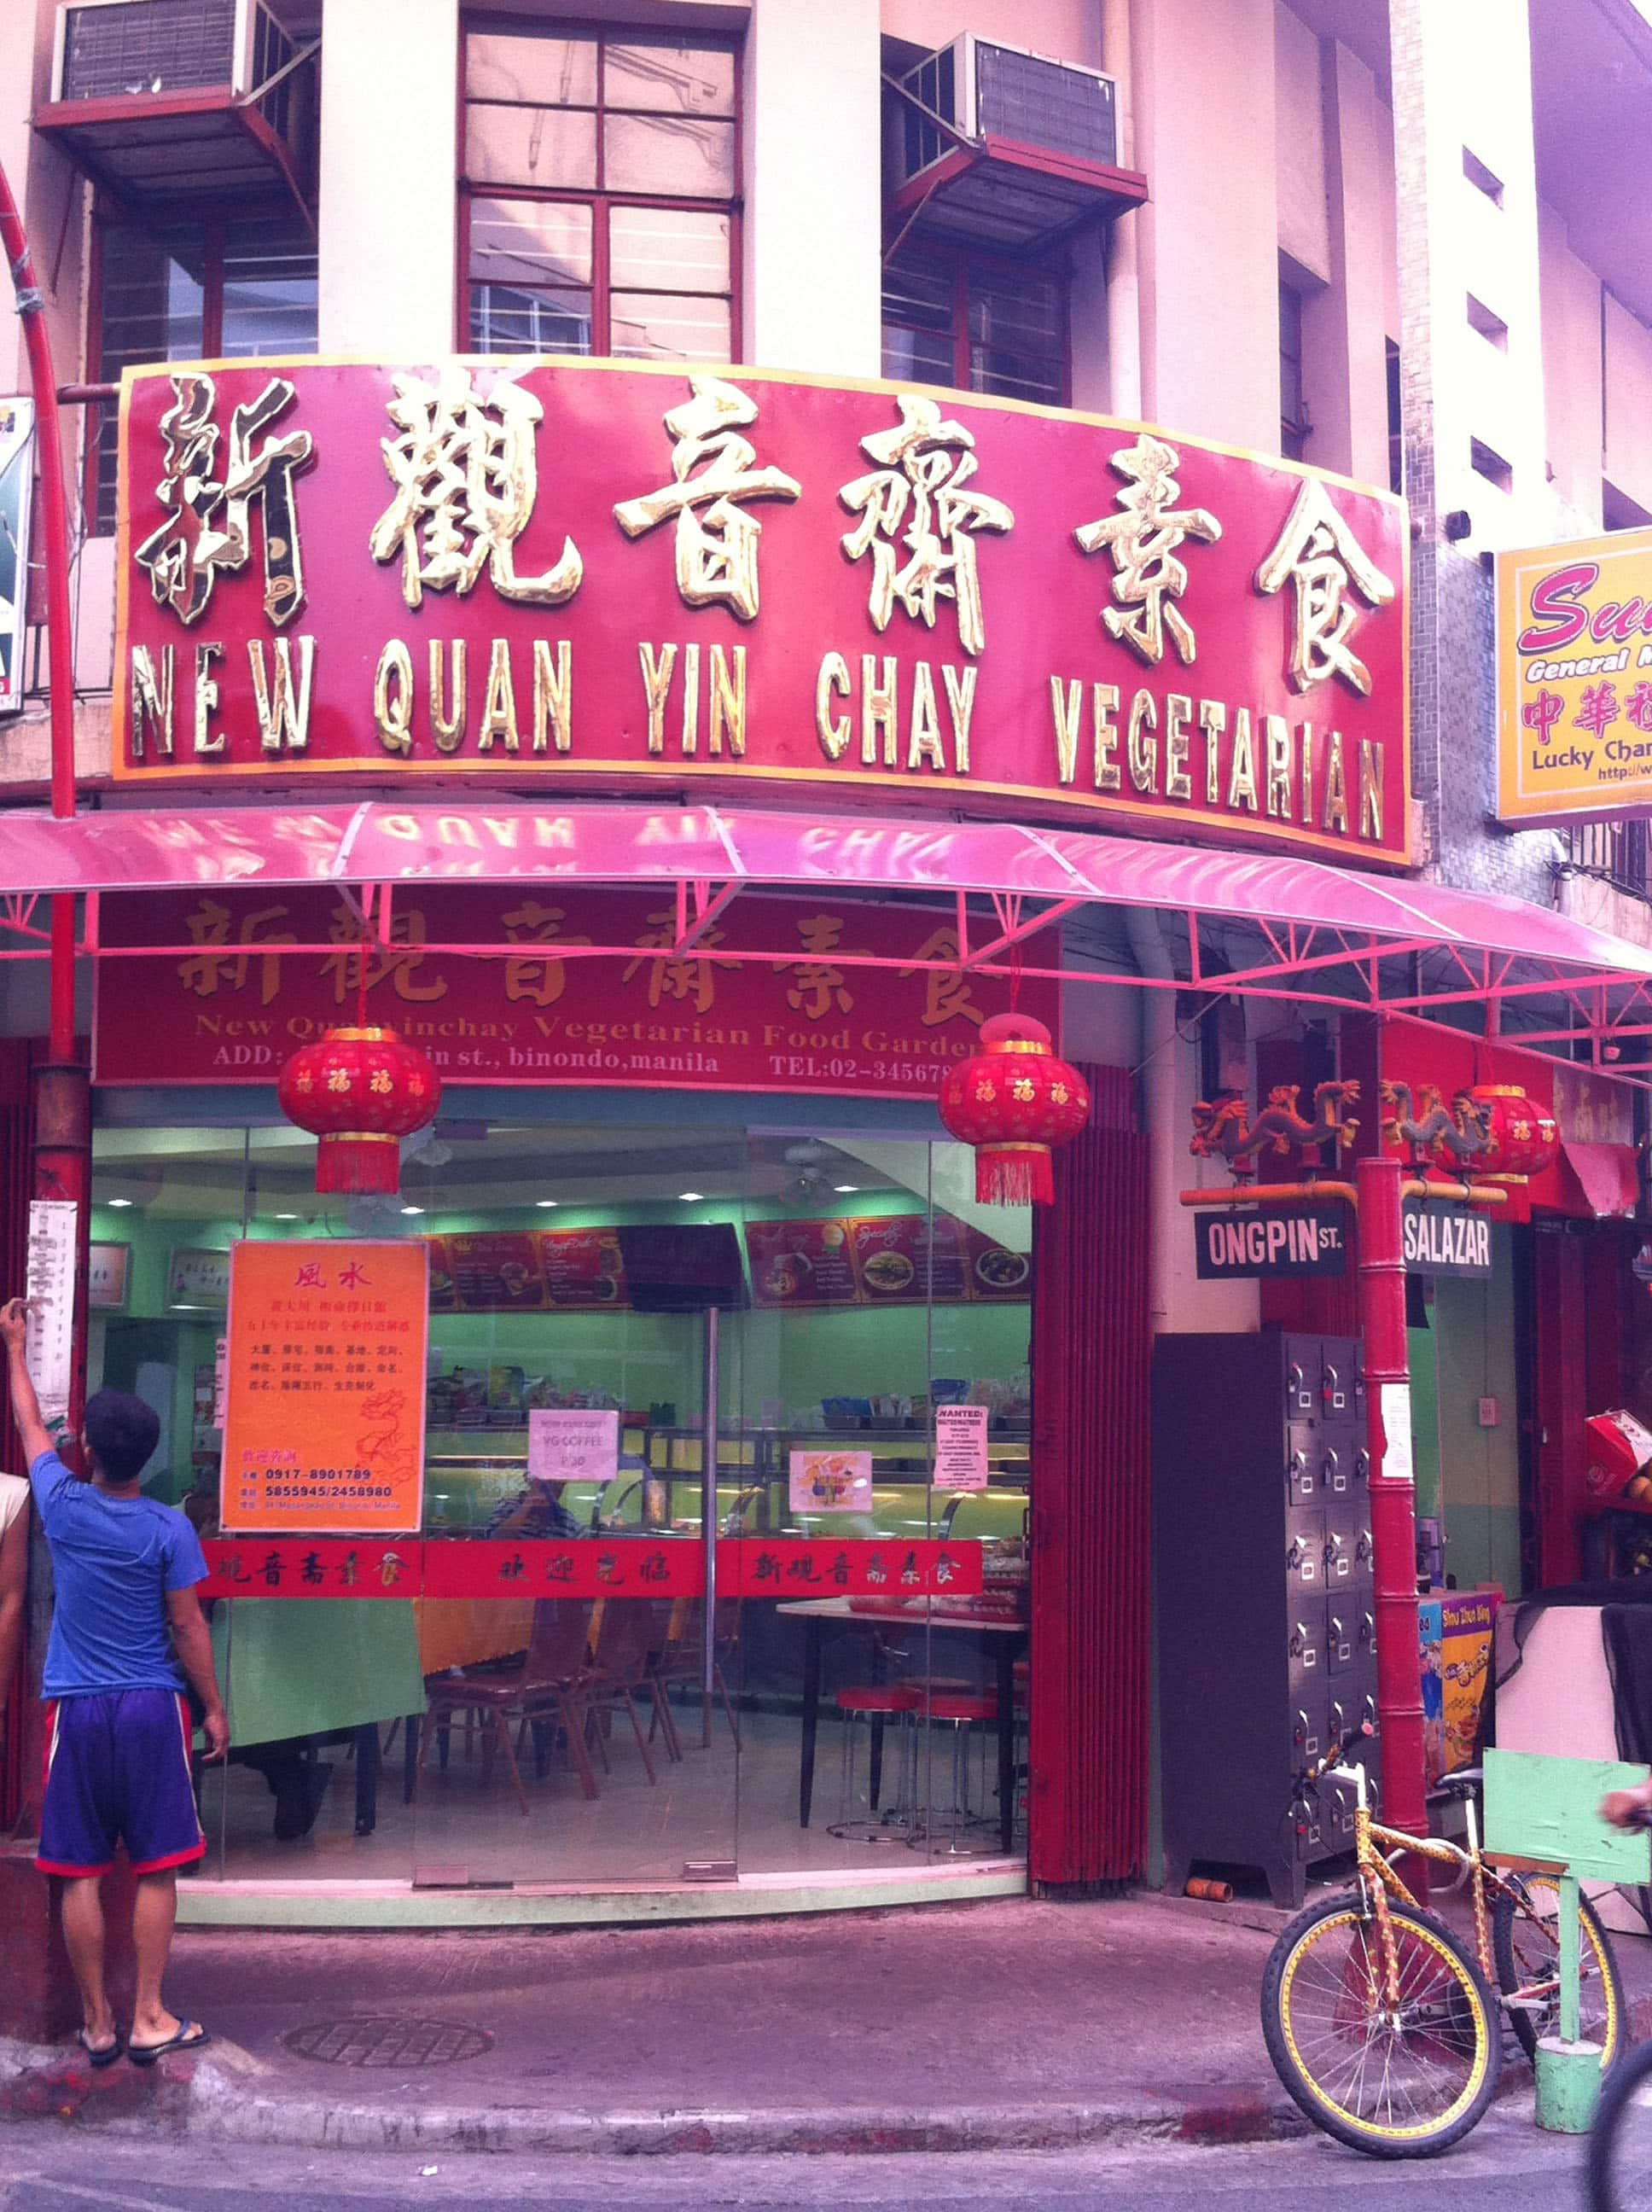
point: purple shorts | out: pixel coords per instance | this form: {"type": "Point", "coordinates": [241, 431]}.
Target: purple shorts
{"type": "Point", "coordinates": [118, 1771]}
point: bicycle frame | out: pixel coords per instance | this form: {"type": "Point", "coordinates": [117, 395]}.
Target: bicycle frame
{"type": "Point", "coordinates": [1379, 1880]}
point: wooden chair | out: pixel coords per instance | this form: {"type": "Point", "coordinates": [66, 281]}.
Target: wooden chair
{"type": "Point", "coordinates": [625, 1668]}
{"type": "Point", "coordinates": [679, 1660]}
{"type": "Point", "coordinates": [554, 1681]}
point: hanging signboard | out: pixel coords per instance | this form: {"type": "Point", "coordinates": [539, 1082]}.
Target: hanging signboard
{"type": "Point", "coordinates": [50, 1289]}
{"type": "Point", "coordinates": [777, 996]}
{"type": "Point", "coordinates": [1575, 679]}
{"type": "Point", "coordinates": [1271, 1242]}
{"type": "Point", "coordinates": [1446, 1240]}
{"type": "Point", "coordinates": [323, 1419]}
{"type": "Point", "coordinates": [572, 572]}
{"type": "Point", "coordinates": [16, 495]}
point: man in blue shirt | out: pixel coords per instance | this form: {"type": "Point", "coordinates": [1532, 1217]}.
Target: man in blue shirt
{"type": "Point", "coordinates": [127, 1635]}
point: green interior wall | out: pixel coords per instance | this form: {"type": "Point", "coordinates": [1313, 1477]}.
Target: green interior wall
{"type": "Point", "coordinates": [1477, 1468]}
{"type": "Point", "coordinates": [773, 1364]}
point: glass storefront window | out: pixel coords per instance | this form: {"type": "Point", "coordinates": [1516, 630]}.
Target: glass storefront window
{"type": "Point", "coordinates": [511, 1734]}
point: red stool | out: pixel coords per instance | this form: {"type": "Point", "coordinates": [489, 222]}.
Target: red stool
{"type": "Point", "coordinates": [961, 1714]}
{"type": "Point", "coordinates": [880, 1703]}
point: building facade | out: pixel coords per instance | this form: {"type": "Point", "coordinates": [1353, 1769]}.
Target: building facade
{"type": "Point", "coordinates": [1338, 255]}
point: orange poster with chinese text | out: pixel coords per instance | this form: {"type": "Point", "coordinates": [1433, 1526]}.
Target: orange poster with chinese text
{"type": "Point", "coordinates": [323, 1428]}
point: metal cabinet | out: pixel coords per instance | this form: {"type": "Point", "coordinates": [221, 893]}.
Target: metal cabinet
{"type": "Point", "coordinates": [1266, 1604]}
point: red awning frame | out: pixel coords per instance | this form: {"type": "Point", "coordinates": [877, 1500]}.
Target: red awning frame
{"type": "Point", "coordinates": [1239, 924]}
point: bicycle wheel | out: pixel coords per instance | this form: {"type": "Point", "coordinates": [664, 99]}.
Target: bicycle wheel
{"type": "Point", "coordinates": [1619, 2167]}
{"type": "Point", "coordinates": [1526, 1948]}
{"type": "Point", "coordinates": [1401, 2083]}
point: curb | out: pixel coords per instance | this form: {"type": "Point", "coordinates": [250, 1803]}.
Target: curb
{"type": "Point", "coordinates": [217, 2098]}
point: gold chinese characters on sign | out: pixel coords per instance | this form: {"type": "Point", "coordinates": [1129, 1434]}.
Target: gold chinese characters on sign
{"type": "Point", "coordinates": [464, 567]}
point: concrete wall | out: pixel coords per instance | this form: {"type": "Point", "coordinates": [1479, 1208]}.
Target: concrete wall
{"type": "Point", "coordinates": [1299, 147]}
{"type": "Point", "coordinates": [1628, 457]}
{"type": "Point", "coordinates": [1065, 30]}
{"type": "Point", "coordinates": [1573, 396]}
{"type": "Point", "coordinates": [388, 163]}
{"type": "Point", "coordinates": [814, 224]}
{"type": "Point", "coordinates": [1204, 102]}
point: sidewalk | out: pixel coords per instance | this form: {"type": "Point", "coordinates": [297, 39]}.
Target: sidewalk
{"type": "Point", "coordinates": [1011, 2025]}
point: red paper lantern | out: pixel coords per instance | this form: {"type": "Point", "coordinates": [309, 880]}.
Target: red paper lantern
{"type": "Point", "coordinates": [1012, 1101]}
{"type": "Point", "coordinates": [1524, 1136]}
{"type": "Point", "coordinates": [361, 1091]}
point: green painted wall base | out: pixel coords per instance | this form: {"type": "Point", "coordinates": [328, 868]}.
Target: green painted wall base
{"type": "Point", "coordinates": [204, 1904]}
{"type": "Point", "coordinates": [1568, 2085]}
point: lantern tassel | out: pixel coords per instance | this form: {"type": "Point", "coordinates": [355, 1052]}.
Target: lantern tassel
{"type": "Point", "coordinates": [1014, 1174]}
{"type": "Point", "coordinates": [353, 1166]}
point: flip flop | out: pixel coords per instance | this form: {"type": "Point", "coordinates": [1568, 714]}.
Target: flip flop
{"type": "Point", "coordinates": [189, 2037]}
{"type": "Point", "coordinates": [98, 2058]}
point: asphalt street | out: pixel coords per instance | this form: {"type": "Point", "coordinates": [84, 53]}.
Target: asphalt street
{"type": "Point", "coordinates": [1505, 2166]}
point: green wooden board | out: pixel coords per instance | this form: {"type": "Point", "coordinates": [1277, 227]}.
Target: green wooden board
{"type": "Point", "coordinates": [1541, 1807]}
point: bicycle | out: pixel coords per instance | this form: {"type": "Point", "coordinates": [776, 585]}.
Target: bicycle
{"type": "Point", "coordinates": [1381, 2023]}
{"type": "Point", "coordinates": [1619, 2174]}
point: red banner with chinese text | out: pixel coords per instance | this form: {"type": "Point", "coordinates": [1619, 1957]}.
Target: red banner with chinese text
{"type": "Point", "coordinates": [589, 574]}
{"type": "Point", "coordinates": [622, 1566]}
{"type": "Point", "coordinates": [775, 997]}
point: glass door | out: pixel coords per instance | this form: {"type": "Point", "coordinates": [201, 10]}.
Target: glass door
{"type": "Point", "coordinates": [588, 1458]}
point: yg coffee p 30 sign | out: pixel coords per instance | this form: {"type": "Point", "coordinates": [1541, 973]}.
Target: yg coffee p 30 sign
{"type": "Point", "coordinates": [590, 573]}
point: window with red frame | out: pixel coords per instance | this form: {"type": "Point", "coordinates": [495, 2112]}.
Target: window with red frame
{"type": "Point", "coordinates": [598, 194]}
{"type": "Point", "coordinates": [976, 325]}
{"type": "Point", "coordinates": [185, 290]}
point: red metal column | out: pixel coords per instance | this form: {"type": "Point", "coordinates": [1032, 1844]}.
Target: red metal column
{"type": "Point", "coordinates": [1394, 1499]}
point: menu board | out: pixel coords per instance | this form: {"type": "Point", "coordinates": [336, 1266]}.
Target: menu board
{"type": "Point", "coordinates": [584, 1269]}
{"type": "Point", "coordinates": [802, 1263]}
{"type": "Point", "coordinates": [323, 1423]}
{"type": "Point", "coordinates": [881, 1260]}
{"type": "Point", "coordinates": [527, 1271]}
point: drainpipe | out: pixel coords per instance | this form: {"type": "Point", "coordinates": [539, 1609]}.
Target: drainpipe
{"type": "Point", "coordinates": [1157, 1071]}
{"type": "Point", "coordinates": [1123, 277]}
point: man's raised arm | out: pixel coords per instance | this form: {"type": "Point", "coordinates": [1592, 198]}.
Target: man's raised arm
{"type": "Point", "coordinates": [24, 1405]}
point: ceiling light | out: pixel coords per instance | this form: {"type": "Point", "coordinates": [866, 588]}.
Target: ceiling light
{"type": "Point", "coordinates": [117, 1201]}
{"type": "Point", "coordinates": [412, 1209]}
{"type": "Point", "coordinates": [547, 1201]}
{"type": "Point", "coordinates": [846, 1187]}
{"type": "Point", "coordinates": [690, 1197]}
{"type": "Point", "coordinates": [287, 1216]}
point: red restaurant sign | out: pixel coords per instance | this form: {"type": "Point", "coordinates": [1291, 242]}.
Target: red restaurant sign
{"type": "Point", "coordinates": [583, 574]}
{"type": "Point", "coordinates": [776, 996]}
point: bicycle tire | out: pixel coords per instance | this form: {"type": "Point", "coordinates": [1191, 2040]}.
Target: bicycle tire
{"type": "Point", "coordinates": [1617, 2150]}
{"type": "Point", "coordinates": [1453, 2011]}
{"type": "Point", "coordinates": [1603, 2011]}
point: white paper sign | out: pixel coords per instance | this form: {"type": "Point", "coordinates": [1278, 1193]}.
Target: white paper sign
{"type": "Point", "coordinates": [220, 1380]}
{"type": "Point", "coordinates": [961, 1448]}
{"type": "Point", "coordinates": [1396, 1430]}
{"type": "Point", "coordinates": [51, 1292]}
{"type": "Point", "coordinates": [573, 1444]}
{"type": "Point", "coordinates": [831, 1482]}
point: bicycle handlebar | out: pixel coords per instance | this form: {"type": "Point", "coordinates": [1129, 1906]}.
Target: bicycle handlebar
{"type": "Point", "coordinates": [1335, 1757]}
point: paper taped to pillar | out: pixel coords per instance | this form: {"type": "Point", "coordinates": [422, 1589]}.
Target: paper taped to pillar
{"type": "Point", "coordinates": [575, 574]}
{"type": "Point", "coordinates": [324, 1415]}
{"type": "Point", "coordinates": [1575, 680]}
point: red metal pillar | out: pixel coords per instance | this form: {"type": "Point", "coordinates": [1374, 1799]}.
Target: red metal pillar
{"type": "Point", "coordinates": [1394, 1500]}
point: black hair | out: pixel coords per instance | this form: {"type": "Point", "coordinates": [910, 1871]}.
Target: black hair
{"type": "Point", "coordinates": [122, 1432]}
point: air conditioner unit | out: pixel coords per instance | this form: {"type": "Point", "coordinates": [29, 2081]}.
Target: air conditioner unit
{"type": "Point", "coordinates": [990, 91]}
{"type": "Point", "coordinates": [131, 49]}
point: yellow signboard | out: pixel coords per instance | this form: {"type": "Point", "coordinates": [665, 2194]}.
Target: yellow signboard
{"type": "Point", "coordinates": [1575, 680]}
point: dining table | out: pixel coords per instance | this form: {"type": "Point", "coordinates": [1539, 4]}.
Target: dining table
{"type": "Point", "coordinates": [1003, 1640]}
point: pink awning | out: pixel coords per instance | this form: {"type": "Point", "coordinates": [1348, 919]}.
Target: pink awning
{"type": "Point", "coordinates": [1605, 1176]}
{"type": "Point", "coordinates": [614, 842]}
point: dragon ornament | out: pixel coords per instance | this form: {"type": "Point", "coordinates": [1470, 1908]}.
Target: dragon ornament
{"type": "Point", "coordinates": [1438, 1134]}
{"type": "Point", "coordinates": [1222, 1128]}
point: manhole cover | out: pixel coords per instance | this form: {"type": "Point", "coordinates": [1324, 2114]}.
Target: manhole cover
{"type": "Point", "coordinates": [378, 2042]}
